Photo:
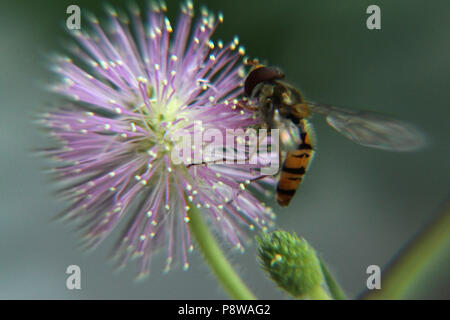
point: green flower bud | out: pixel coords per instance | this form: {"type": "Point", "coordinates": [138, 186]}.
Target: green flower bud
{"type": "Point", "coordinates": [291, 263]}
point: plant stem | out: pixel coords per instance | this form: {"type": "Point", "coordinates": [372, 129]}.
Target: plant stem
{"type": "Point", "coordinates": [318, 293]}
{"type": "Point", "coordinates": [214, 256]}
{"type": "Point", "coordinates": [411, 266]}
{"type": "Point", "coordinates": [336, 292]}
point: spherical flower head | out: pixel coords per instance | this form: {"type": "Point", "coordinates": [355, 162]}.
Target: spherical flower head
{"type": "Point", "coordinates": [290, 262]}
{"type": "Point", "coordinates": [134, 87]}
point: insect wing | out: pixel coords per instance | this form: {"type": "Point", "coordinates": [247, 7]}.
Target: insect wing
{"type": "Point", "coordinates": [372, 129]}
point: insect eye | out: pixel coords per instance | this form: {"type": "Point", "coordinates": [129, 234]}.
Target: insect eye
{"type": "Point", "coordinates": [258, 75]}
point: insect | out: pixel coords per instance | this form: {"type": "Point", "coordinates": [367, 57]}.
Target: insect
{"type": "Point", "coordinates": [280, 105]}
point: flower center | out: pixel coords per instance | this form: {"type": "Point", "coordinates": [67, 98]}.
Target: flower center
{"type": "Point", "coordinates": [161, 121]}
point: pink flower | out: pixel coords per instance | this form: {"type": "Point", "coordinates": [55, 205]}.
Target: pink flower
{"type": "Point", "coordinates": [132, 87]}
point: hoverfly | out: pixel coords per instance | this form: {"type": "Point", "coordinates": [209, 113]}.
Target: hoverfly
{"type": "Point", "coordinates": [280, 105]}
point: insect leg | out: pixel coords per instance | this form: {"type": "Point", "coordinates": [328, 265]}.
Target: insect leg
{"type": "Point", "coordinates": [300, 111]}
{"type": "Point", "coordinates": [243, 105]}
{"type": "Point", "coordinates": [220, 161]}
{"type": "Point", "coordinates": [249, 181]}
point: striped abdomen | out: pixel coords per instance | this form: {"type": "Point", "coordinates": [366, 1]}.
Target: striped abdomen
{"type": "Point", "coordinates": [295, 166]}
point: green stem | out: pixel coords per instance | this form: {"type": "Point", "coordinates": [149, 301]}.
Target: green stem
{"type": "Point", "coordinates": [411, 266]}
{"type": "Point", "coordinates": [336, 292]}
{"type": "Point", "coordinates": [214, 256]}
{"type": "Point", "coordinates": [318, 293]}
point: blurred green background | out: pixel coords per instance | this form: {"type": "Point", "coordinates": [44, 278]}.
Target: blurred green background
{"type": "Point", "coordinates": [357, 206]}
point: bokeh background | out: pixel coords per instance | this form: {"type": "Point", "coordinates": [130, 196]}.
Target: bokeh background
{"type": "Point", "coordinates": [357, 206]}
